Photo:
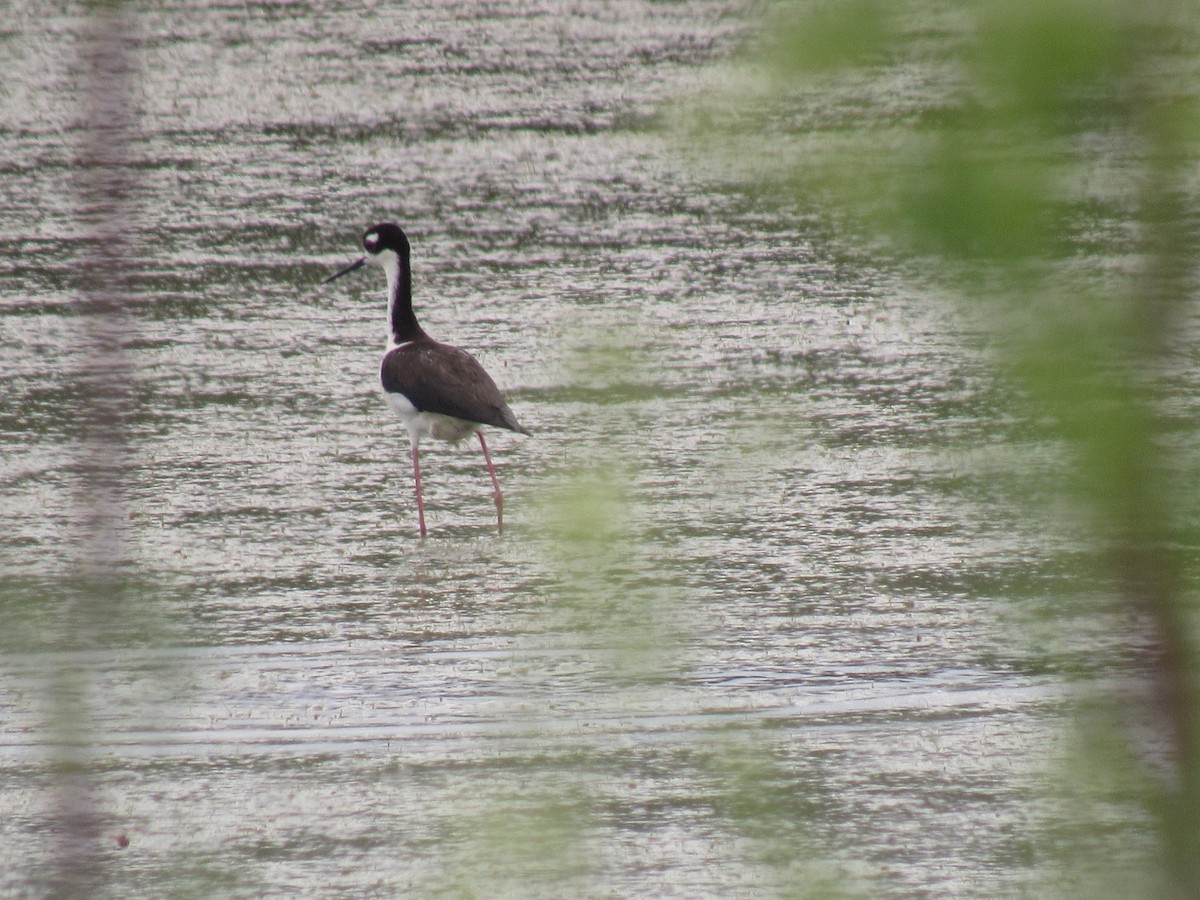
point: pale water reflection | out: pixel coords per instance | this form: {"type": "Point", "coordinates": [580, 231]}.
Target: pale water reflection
{"type": "Point", "coordinates": [756, 619]}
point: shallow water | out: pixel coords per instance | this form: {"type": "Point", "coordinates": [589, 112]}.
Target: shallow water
{"type": "Point", "coordinates": [758, 615]}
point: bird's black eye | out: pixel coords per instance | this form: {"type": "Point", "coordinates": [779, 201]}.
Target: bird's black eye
{"type": "Point", "coordinates": [371, 242]}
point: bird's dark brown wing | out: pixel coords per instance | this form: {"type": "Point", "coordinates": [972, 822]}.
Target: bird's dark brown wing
{"type": "Point", "coordinates": [438, 378]}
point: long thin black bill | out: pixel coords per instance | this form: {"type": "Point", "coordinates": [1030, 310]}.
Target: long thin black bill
{"type": "Point", "coordinates": [357, 264]}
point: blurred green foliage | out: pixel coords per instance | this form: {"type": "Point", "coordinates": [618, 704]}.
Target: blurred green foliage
{"type": "Point", "coordinates": [1038, 157]}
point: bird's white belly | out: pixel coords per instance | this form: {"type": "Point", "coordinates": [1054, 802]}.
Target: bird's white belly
{"type": "Point", "coordinates": [420, 424]}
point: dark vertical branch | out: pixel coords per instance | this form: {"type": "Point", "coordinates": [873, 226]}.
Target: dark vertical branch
{"type": "Point", "coordinates": [1152, 574]}
{"type": "Point", "coordinates": [101, 397]}
{"type": "Point", "coordinates": [105, 191]}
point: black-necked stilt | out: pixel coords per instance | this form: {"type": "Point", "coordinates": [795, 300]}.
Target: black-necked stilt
{"type": "Point", "coordinates": [437, 389]}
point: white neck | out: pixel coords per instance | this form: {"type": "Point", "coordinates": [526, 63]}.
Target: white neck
{"type": "Point", "coordinates": [390, 263]}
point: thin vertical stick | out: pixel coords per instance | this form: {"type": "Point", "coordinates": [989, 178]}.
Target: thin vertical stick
{"type": "Point", "coordinates": [104, 393]}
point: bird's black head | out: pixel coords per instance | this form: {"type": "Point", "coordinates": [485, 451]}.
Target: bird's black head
{"type": "Point", "coordinates": [385, 236]}
{"type": "Point", "coordinates": [386, 247]}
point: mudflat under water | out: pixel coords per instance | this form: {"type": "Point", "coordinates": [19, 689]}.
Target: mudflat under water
{"type": "Point", "coordinates": [757, 619]}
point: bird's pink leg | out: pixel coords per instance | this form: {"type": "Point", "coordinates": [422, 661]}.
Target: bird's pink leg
{"type": "Point", "coordinates": [495, 484]}
{"type": "Point", "coordinates": [417, 478]}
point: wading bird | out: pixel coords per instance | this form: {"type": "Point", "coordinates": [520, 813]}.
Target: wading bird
{"type": "Point", "coordinates": [437, 389]}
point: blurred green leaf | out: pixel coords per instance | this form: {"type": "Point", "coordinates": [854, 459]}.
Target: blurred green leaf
{"type": "Point", "coordinates": [986, 137]}
{"type": "Point", "coordinates": [816, 37]}
{"type": "Point", "coordinates": [1051, 62]}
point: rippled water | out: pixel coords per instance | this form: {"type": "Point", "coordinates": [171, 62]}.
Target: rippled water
{"type": "Point", "coordinates": [757, 615]}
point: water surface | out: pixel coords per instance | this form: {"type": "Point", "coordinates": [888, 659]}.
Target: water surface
{"type": "Point", "coordinates": [757, 618]}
